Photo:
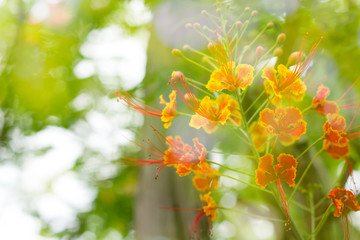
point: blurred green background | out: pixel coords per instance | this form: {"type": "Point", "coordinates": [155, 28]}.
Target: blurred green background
{"type": "Point", "coordinates": [62, 131]}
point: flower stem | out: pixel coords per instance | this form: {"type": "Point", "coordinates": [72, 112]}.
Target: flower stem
{"type": "Point", "coordinates": [231, 169]}
{"type": "Point", "coordinates": [312, 213]}
{"type": "Point", "coordinates": [321, 223]}
{"type": "Point", "coordinates": [252, 215]}
{"type": "Point", "coordinates": [304, 173]}
{"type": "Point", "coordinates": [308, 148]}
{"type": "Point", "coordinates": [249, 184]}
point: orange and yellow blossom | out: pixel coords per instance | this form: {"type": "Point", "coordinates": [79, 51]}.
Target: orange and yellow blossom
{"type": "Point", "coordinates": [284, 84]}
{"type": "Point", "coordinates": [259, 135]}
{"type": "Point", "coordinates": [286, 122]}
{"type": "Point", "coordinates": [166, 115]}
{"type": "Point", "coordinates": [183, 157]}
{"type": "Point", "coordinates": [336, 143]}
{"type": "Point", "coordinates": [211, 113]}
{"type": "Point", "coordinates": [169, 112]}
{"type": "Point", "coordinates": [210, 206]}
{"type": "Point", "coordinates": [321, 105]}
{"type": "Point", "coordinates": [206, 178]}
{"type": "Point", "coordinates": [230, 77]}
{"type": "Point", "coordinates": [284, 170]}
{"type": "Point", "coordinates": [209, 209]}
{"type": "Point", "coordinates": [343, 199]}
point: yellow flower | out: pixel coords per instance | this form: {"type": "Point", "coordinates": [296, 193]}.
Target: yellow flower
{"type": "Point", "coordinates": [230, 77]}
{"type": "Point", "coordinates": [169, 112]}
{"type": "Point", "coordinates": [213, 112]}
{"type": "Point", "coordinates": [284, 83]}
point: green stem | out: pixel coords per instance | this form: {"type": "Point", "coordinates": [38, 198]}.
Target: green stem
{"type": "Point", "coordinates": [258, 110]}
{"type": "Point", "coordinates": [295, 229]}
{"type": "Point", "coordinates": [307, 109]}
{"type": "Point", "coordinates": [300, 205]}
{"type": "Point", "coordinates": [255, 101]}
{"type": "Point", "coordinates": [312, 213]}
{"type": "Point", "coordinates": [233, 154]}
{"type": "Point", "coordinates": [304, 173]}
{"type": "Point", "coordinates": [249, 184]}
{"type": "Point", "coordinates": [195, 63]}
{"type": "Point", "coordinates": [321, 223]}
{"type": "Point", "coordinates": [231, 169]}
{"type": "Point", "coordinates": [308, 148]}
{"type": "Point", "coordinates": [252, 215]}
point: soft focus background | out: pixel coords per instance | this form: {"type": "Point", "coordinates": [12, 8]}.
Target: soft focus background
{"type": "Point", "coordinates": [62, 131]}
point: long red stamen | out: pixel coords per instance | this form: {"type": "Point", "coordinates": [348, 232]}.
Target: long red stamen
{"type": "Point", "coordinates": [158, 171]}
{"type": "Point", "coordinates": [352, 85]}
{"type": "Point", "coordinates": [352, 120]}
{"type": "Point", "coordinates": [283, 199]}
{"type": "Point", "coordinates": [177, 79]}
{"type": "Point", "coordinates": [140, 162]}
{"type": "Point", "coordinates": [195, 224]}
{"type": "Point", "coordinates": [138, 105]}
{"type": "Point", "coordinates": [299, 69]}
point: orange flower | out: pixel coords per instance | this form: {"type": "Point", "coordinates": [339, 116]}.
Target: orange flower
{"type": "Point", "coordinates": [336, 143]}
{"type": "Point", "coordinates": [230, 77]}
{"type": "Point", "coordinates": [210, 208]}
{"type": "Point", "coordinates": [321, 105]}
{"type": "Point", "coordinates": [343, 199]}
{"type": "Point", "coordinates": [213, 112]}
{"type": "Point", "coordinates": [182, 156]}
{"type": "Point", "coordinates": [259, 135]}
{"type": "Point", "coordinates": [284, 83]}
{"type": "Point", "coordinates": [169, 112]}
{"type": "Point", "coordinates": [284, 170]}
{"type": "Point", "coordinates": [166, 115]}
{"type": "Point", "coordinates": [206, 178]}
{"type": "Point", "coordinates": [286, 122]}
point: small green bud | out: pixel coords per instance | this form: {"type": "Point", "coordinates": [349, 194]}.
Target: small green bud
{"type": "Point", "coordinates": [176, 52]}
{"type": "Point", "coordinates": [270, 25]}
{"type": "Point", "coordinates": [278, 51]}
{"type": "Point", "coordinates": [281, 38]}
{"type": "Point", "coordinates": [238, 24]}
{"type": "Point", "coordinates": [197, 25]}
{"type": "Point", "coordinates": [259, 52]}
{"type": "Point", "coordinates": [295, 57]}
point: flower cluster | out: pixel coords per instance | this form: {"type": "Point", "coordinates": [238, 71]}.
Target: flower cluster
{"type": "Point", "coordinates": [274, 121]}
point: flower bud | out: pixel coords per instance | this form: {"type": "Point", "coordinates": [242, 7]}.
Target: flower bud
{"type": "Point", "coordinates": [254, 13]}
{"type": "Point", "coordinates": [270, 25]}
{"type": "Point", "coordinates": [281, 38]}
{"type": "Point", "coordinates": [247, 9]}
{"type": "Point", "coordinates": [295, 57]}
{"type": "Point", "coordinates": [204, 12]}
{"type": "Point", "coordinates": [218, 10]}
{"type": "Point", "coordinates": [197, 25]}
{"type": "Point", "coordinates": [188, 25]}
{"type": "Point", "coordinates": [186, 47]}
{"type": "Point", "coordinates": [211, 46]}
{"type": "Point", "coordinates": [278, 51]}
{"type": "Point", "coordinates": [176, 52]}
{"type": "Point", "coordinates": [259, 52]}
{"type": "Point", "coordinates": [238, 24]}
{"type": "Point", "coordinates": [177, 77]}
